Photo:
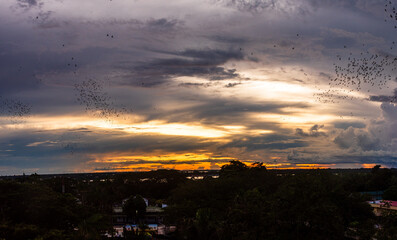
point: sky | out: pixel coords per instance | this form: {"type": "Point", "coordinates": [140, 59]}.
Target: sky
{"type": "Point", "coordinates": [134, 85]}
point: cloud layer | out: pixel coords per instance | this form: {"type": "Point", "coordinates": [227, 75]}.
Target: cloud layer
{"type": "Point", "coordinates": [135, 85]}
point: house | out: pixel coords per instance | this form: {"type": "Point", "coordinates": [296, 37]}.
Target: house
{"type": "Point", "coordinates": [152, 220]}
{"type": "Point", "coordinates": [381, 206]}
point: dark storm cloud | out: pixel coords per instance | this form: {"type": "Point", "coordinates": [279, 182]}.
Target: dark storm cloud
{"type": "Point", "coordinates": [351, 138]}
{"type": "Point", "coordinates": [21, 70]}
{"type": "Point", "coordinates": [18, 72]}
{"type": "Point", "coordinates": [303, 156]}
{"type": "Point", "coordinates": [325, 75]}
{"type": "Point", "coordinates": [278, 142]}
{"type": "Point", "coordinates": [189, 84]}
{"type": "Point", "coordinates": [27, 4]}
{"type": "Point", "coordinates": [230, 85]}
{"type": "Point", "coordinates": [389, 112]}
{"type": "Point", "coordinates": [162, 24]}
{"type": "Point", "coordinates": [303, 7]}
{"type": "Point", "coordinates": [230, 109]}
{"type": "Point", "coordinates": [384, 98]}
{"type": "Point", "coordinates": [145, 30]}
{"type": "Point", "coordinates": [146, 143]}
{"type": "Point", "coordinates": [346, 125]}
{"type": "Point", "coordinates": [225, 111]}
{"type": "Point", "coordinates": [362, 5]}
{"type": "Point", "coordinates": [44, 20]}
{"type": "Point", "coordinates": [314, 131]}
{"type": "Point", "coordinates": [253, 6]}
{"type": "Point", "coordinates": [385, 159]}
{"type": "Point", "coordinates": [191, 62]}
{"type": "Point", "coordinates": [228, 39]}
{"type": "Point", "coordinates": [94, 140]}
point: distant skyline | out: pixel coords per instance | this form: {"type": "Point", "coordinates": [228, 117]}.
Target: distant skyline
{"type": "Point", "coordinates": [125, 85]}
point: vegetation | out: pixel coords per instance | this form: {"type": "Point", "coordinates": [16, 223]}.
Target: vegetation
{"type": "Point", "coordinates": [251, 203]}
{"type": "Point", "coordinates": [244, 202]}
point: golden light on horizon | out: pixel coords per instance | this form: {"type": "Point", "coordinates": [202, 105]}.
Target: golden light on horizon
{"type": "Point", "coordinates": [183, 161]}
{"type": "Point", "coordinates": [368, 165]}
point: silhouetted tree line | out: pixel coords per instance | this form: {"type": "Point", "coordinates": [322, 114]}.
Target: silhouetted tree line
{"type": "Point", "coordinates": [249, 202]}
{"type": "Point", "coordinates": [245, 202]}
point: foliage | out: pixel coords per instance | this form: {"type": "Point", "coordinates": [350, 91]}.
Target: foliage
{"type": "Point", "coordinates": [135, 207]}
{"type": "Point", "coordinates": [251, 203]}
{"type": "Point", "coordinates": [245, 202]}
{"type": "Point", "coordinates": [31, 210]}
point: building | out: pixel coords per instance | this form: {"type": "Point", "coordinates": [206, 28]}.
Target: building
{"type": "Point", "coordinates": [381, 206]}
{"type": "Point", "coordinates": [152, 221]}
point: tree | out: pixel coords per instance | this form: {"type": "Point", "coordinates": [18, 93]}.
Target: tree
{"type": "Point", "coordinates": [135, 207]}
{"type": "Point", "coordinates": [234, 167]}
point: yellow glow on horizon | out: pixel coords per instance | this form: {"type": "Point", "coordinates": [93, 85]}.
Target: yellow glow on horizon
{"type": "Point", "coordinates": [184, 161]}
{"type": "Point", "coordinates": [110, 158]}
{"type": "Point", "coordinates": [368, 165]}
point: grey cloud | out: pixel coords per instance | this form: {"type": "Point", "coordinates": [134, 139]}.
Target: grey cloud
{"type": "Point", "coordinates": [366, 142]}
{"type": "Point", "coordinates": [373, 7]}
{"type": "Point", "coordinates": [346, 125]}
{"type": "Point", "coordinates": [378, 157]}
{"type": "Point", "coordinates": [389, 112]}
{"type": "Point", "coordinates": [377, 136]}
{"type": "Point", "coordinates": [384, 98]}
{"type": "Point", "coordinates": [352, 138]}
{"type": "Point", "coordinates": [27, 4]}
{"type": "Point", "coordinates": [225, 111]}
{"type": "Point", "coordinates": [162, 24]}
{"type": "Point", "coordinates": [253, 6]}
{"type": "Point", "coordinates": [188, 84]}
{"type": "Point", "coordinates": [313, 131]}
{"type": "Point", "coordinates": [152, 25]}
{"type": "Point", "coordinates": [345, 138]}
{"type": "Point", "coordinates": [21, 71]}
{"type": "Point", "coordinates": [97, 141]}
{"type": "Point", "coordinates": [18, 72]}
{"type": "Point", "coordinates": [304, 7]}
{"type": "Point", "coordinates": [274, 142]}
{"type": "Point", "coordinates": [330, 3]}
{"type": "Point", "coordinates": [191, 62]}
{"type": "Point", "coordinates": [303, 156]}
{"type": "Point", "coordinates": [44, 20]}
{"type": "Point", "coordinates": [325, 75]}
{"type": "Point", "coordinates": [228, 39]}
{"type": "Point", "coordinates": [230, 85]}
{"type": "Point", "coordinates": [385, 159]}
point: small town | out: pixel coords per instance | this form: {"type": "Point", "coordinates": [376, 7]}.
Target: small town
{"type": "Point", "coordinates": [238, 201]}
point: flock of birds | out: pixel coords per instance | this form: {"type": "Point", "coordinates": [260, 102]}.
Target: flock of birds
{"type": "Point", "coordinates": [364, 71]}
{"type": "Point", "coordinates": [14, 109]}
{"type": "Point", "coordinates": [91, 95]}
{"type": "Point", "coordinates": [391, 13]}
